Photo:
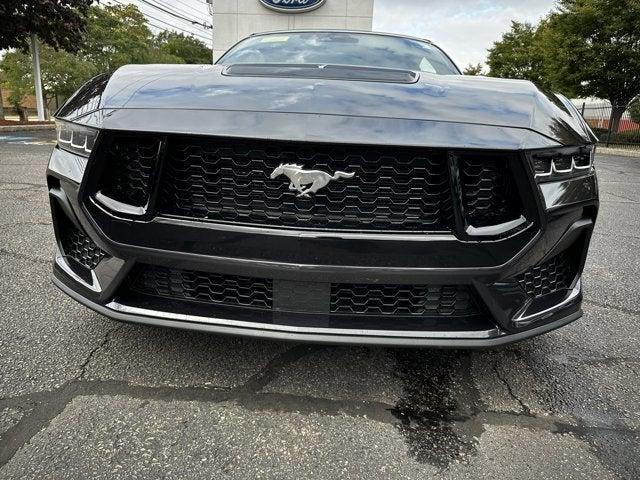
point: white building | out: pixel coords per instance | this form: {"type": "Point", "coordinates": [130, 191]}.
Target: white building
{"type": "Point", "coordinates": [237, 19]}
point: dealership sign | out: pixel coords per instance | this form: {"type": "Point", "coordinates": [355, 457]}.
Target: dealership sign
{"type": "Point", "coordinates": [292, 6]}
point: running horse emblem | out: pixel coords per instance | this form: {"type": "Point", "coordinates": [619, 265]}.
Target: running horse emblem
{"type": "Point", "coordinates": [307, 181]}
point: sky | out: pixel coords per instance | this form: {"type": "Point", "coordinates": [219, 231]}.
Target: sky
{"type": "Point", "coordinates": [465, 29]}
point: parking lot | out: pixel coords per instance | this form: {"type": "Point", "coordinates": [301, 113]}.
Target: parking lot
{"type": "Point", "coordinates": [82, 396]}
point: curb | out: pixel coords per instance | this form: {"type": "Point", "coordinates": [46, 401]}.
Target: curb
{"type": "Point", "coordinates": [623, 152]}
{"type": "Point", "coordinates": [26, 128]}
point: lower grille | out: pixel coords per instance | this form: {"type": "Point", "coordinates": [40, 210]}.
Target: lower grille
{"type": "Point", "coordinates": [202, 286]}
{"type": "Point", "coordinates": [423, 300]}
{"type": "Point", "coordinates": [78, 246]}
{"type": "Point", "coordinates": [552, 276]}
{"type": "Point", "coordinates": [428, 301]}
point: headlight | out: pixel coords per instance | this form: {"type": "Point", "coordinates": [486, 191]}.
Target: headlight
{"type": "Point", "coordinates": [75, 138]}
{"type": "Point", "coordinates": [559, 163]}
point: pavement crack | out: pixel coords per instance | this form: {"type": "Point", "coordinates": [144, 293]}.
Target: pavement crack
{"type": "Point", "coordinates": [101, 345]}
{"type": "Point", "coordinates": [525, 409]}
{"type": "Point", "coordinates": [272, 370]}
{"type": "Point", "coordinates": [628, 311]}
{"type": "Point", "coordinates": [22, 256]}
{"type": "Point", "coordinates": [17, 224]}
{"type": "Point", "coordinates": [622, 197]}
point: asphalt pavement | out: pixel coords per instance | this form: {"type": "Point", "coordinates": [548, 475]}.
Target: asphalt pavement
{"type": "Point", "coordinates": [82, 396]}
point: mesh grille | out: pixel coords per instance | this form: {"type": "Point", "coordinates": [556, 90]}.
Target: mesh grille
{"type": "Point", "coordinates": [425, 300]}
{"type": "Point", "coordinates": [202, 286]}
{"type": "Point", "coordinates": [229, 180]}
{"type": "Point", "coordinates": [81, 248]}
{"type": "Point", "coordinates": [552, 276]}
{"type": "Point", "coordinates": [489, 192]}
{"type": "Point", "coordinates": [129, 164]}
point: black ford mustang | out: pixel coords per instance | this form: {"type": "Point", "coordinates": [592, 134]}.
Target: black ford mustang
{"type": "Point", "coordinates": [326, 186]}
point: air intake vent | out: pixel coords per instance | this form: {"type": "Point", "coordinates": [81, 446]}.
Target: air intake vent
{"type": "Point", "coordinates": [403, 300]}
{"type": "Point", "coordinates": [79, 247]}
{"type": "Point", "coordinates": [489, 192]}
{"type": "Point", "coordinates": [129, 164]}
{"type": "Point", "coordinates": [201, 286]}
{"type": "Point", "coordinates": [552, 276]}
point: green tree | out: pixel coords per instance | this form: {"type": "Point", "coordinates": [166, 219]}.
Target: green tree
{"type": "Point", "coordinates": [187, 48]}
{"type": "Point", "coordinates": [59, 23]}
{"type": "Point", "coordinates": [518, 54]}
{"type": "Point", "coordinates": [592, 48]}
{"type": "Point", "coordinates": [472, 69]}
{"type": "Point", "coordinates": [62, 74]}
{"type": "Point", "coordinates": [118, 35]}
{"type": "Point", "coordinates": [634, 110]}
{"type": "Point", "coordinates": [16, 79]}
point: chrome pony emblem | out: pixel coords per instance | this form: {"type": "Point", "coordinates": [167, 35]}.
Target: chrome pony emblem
{"type": "Point", "coordinates": [306, 181]}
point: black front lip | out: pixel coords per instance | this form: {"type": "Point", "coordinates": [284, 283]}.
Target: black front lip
{"type": "Point", "coordinates": [475, 339]}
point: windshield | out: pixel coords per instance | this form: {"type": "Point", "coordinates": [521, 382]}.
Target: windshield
{"type": "Point", "coordinates": [341, 48]}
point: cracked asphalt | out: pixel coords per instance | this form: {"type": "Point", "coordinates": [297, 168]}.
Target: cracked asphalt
{"type": "Point", "coordinates": [82, 396]}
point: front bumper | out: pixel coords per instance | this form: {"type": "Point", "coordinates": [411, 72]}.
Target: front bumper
{"type": "Point", "coordinates": [225, 326]}
{"type": "Point", "coordinates": [567, 212]}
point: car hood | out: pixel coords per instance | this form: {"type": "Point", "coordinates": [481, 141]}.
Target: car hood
{"type": "Point", "coordinates": [451, 99]}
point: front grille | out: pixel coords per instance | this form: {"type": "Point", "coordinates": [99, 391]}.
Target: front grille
{"type": "Point", "coordinates": [552, 276]}
{"type": "Point", "coordinates": [394, 188]}
{"type": "Point", "coordinates": [424, 300]}
{"type": "Point", "coordinates": [489, 192]}
{"type": "Point", "coordinates": [129, 163]}
{"type": "Point", "coordinates": [78, 246]}
{"type": "Point", "coordinates": [201, 286]}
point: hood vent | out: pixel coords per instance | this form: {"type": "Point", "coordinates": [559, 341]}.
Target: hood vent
{"type": "Point", "coordinates": [332, 72]}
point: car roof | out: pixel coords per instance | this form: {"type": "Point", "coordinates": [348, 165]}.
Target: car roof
{"type": "Point", "coordinates": [339, 30]}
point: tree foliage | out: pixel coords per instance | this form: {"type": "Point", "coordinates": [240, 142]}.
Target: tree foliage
{"type": "Point", "coordinates": [518, 55]}
{"type": "Point", "coordinates": [472, 69]}
{"type": "Point", "coordinates": [62, 73]}
{"type": "Point", "coordinates": [118, 35]}
{"type": "Point", "coordinates": [58, 23]}
{"type": "Point", "coordinates": [189, 49]}
{"type": "Point", "coordinates": [634, 110]}
{"type": "Point", "coordinates": [584, 48]}
{"type": "Point", "coordinates": [115, 35]}
{"type": "Point", "coordinates": [592, 48]}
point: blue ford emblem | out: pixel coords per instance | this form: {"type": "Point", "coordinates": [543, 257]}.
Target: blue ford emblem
{"type": "Point", "coordinates": [292, 6]}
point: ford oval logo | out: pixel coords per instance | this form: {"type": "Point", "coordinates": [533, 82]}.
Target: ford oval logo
{"type": "Point", "coordinates": [292, 6]}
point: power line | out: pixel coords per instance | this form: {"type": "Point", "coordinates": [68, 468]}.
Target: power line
{"type": "Point", "coordinates": [168, 12]}
{"type": "Point", "coordinates": [192, 11]}
{"type": "Point", "coordinates": [198, 37]}
{"type": "Point", "coordinates": [199, 33]}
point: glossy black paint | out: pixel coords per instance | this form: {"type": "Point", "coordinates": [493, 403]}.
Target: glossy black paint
{"type": "Point", "coordinates": [453, 112]}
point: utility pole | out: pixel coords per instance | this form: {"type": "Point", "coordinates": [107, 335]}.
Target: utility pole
{"type": "Point", "coordinates": [213, 55]}
{"type": "Point", "coordinates": [1, 105]}
{"type": "Point", "coordinates": [37, 77]}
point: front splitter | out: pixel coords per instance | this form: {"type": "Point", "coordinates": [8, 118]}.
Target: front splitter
{"type": "Point", "coordinates": [471, 339]}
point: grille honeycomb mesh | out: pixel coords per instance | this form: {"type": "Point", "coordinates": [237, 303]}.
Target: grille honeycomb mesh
{"type": "Point", "coordinates": [490, 196]}
{"type": "Point", "coordinates": [202, 286]}
{"type": "Point", "coordinates": [552, 276]}
{"type": "Point", "coordinates": [81, 248]}
{"type": "Point", "coordinates": [229, 180]}
{"type": "Point", "coordinates": [129, 164]}
{"type": "Point", "coordinates": [424, 300]}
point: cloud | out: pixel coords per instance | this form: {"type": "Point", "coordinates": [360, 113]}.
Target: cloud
{"type": "Point", "coordinates": [465, 29]}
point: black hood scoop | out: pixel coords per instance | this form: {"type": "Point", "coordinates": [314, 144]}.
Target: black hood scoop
{"type": "Point", "coordinates": [332, 72]}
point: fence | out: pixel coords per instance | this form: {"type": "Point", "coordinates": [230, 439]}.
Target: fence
{"type": "Point", "coordinates": [598, 116]}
